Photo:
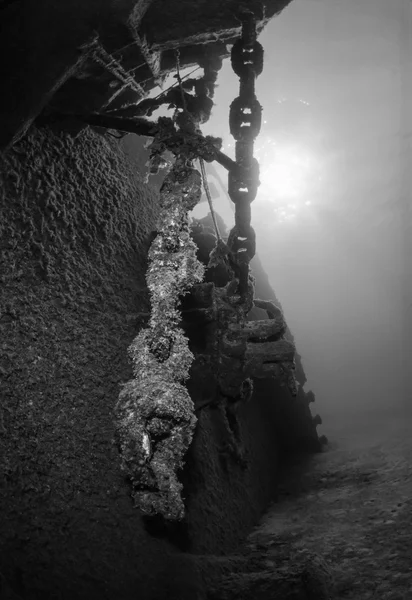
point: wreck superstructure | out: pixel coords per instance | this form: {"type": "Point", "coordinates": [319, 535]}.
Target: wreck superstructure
{"type": "Point", "coordinates": [80, 217]}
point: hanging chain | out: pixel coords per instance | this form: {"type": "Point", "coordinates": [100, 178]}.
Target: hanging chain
{"type": "Point", "coordinates": [245, 120]}
{"type": "Point", "coordinates": [179, 79]}
{"type": "Point", "coordinates": [201, 161]}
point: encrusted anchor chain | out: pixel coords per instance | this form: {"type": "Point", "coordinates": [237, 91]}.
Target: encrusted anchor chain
{"type": "Point", "coordinates": [155, 414]}
{"type": "Point", "coordinates": [245, 120]}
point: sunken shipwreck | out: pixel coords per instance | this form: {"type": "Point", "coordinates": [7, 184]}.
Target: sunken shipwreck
{"type": "Point", "coordinates": [152, 394]}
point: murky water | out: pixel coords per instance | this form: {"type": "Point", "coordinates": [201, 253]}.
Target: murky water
{"type": "Point", "coordinates": [351, 507]}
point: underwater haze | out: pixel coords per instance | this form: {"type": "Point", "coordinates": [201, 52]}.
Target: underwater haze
{"type": "Point", "coordinates": [330, 213]}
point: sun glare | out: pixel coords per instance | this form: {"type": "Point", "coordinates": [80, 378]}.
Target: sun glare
{"type": "Point", "coordinates": [288, 175]}
{"type": "Point", "coordinates": [284, 172]}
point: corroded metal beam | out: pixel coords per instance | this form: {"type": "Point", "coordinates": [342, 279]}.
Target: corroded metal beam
{"type": "Point", "coordinates": [142, 126]}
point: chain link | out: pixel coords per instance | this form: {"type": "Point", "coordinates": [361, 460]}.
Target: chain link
{"type": "Point", "coordinates": [245, 119]}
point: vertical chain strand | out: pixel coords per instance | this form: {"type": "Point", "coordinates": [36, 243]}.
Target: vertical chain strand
{"type": "Point", "coordinates": [245, 119]}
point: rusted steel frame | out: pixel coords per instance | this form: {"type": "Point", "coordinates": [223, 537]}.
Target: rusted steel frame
{"type": "Point", "coordinates": [141, 126]}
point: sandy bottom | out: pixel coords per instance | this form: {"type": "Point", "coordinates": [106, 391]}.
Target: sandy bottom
{"type": "Point", "coordinates": [351, 506]}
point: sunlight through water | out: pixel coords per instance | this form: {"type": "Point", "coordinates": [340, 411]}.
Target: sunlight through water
{"type": "Point", "coordinates": [289, 175]}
